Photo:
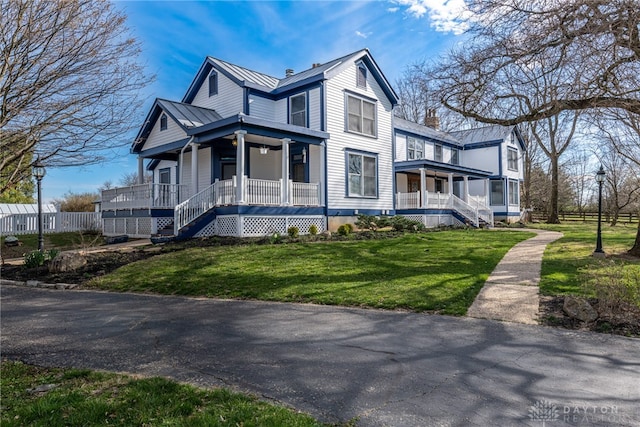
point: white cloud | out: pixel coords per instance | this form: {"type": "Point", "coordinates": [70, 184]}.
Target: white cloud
{"type": "Point", "coordinates": [393, 9]}
{"type": "Point", "coordinates": [445, 15]}
{"type": "Point", "coordinates": [363, 35]}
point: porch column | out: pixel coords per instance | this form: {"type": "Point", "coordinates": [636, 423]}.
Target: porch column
{"type": "Point", "coordinates": [486, 192]}
{"type": "Point", "coordinates": [465, 189]}
{"type": "Point", "coordinates": [423, 188]}
{"type": "Point", "coordinates": [322, 175]}
{"type": "Point", "coordinates": [140, 170]}
{"type": "Point", "coordinates": [285, 170]}
{"type": "Point", "coordinates": [240, 167]}
{"type": "Point", "coordinates": [450, 184]}
{"type": "Point", "coordinates": [194, 168]}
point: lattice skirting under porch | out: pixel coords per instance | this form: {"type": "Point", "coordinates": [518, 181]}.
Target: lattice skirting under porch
{"type": "Point", "coordinates": [255, 226]}
{"type": "Point", "coordinates": [132, 227]}
{"type": "Point", "coordinates": [432, 221]}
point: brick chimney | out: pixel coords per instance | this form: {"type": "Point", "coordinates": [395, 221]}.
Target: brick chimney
{"type": "Point", "coordinates": [431, 119]}
{"type": "Point", "coordinates": [288, 72]}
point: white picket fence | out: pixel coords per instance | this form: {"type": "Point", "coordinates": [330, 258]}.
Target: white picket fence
{"type": "Point", "coordinates": [57, 222]}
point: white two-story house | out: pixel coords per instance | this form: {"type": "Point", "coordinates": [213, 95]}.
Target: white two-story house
{"type": "Point", "coordinates": [247, 154]}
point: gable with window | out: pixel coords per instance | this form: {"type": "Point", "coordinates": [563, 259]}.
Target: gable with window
{"type": "Point", "coordinates": [163, 122]}
{"type": "Point", "coordinates": [362, 174]}
{"type": "Point", "coordinates": [512, 159]}
{"type": "Point", "coordinates": [361, 116]}
{"type": "Point", "coordinates": [361, 77]}
{"type": "Point", "coordinates": [415, 148]}
{"type": "Point", "coordinates": [213, 83]}
{"type": "Point", "coordinates": [298, 110]}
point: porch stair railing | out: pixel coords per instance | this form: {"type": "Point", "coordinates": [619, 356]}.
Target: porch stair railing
{"type": "Point", "coordinates": [475, 212]}
{"type": "Point", "coordinates": [193, 208]}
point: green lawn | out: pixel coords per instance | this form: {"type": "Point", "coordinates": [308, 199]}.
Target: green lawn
{"type": "Point", "coordinates": [566, 260]}
{"type": "Point", "coordinates": [437, 271]}
{"type": "Point", "coordinates": [83, 398]}
{"type": "Point", "coordinates": [61, 241]}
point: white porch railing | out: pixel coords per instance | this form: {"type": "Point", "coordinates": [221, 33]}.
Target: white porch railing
{"type": "Point", "coordinates": [57, 222]}
{"type": "Point", "coordinates": [473, 211]}
{"type": "Point", "coordinates": [262, 191]}
{"type": "Point", "coordinates": [143, 196]}
{"type": "Point", "coordinates": [305, 193]}
{"type": "Point", "coordinates": [193, 207]}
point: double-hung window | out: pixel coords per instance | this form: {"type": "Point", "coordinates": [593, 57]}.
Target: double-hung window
{"type": "Point", "coordinates": [361, 116]}
{"type": "Point", "coordinates": [514, 192]}
{"type": "Point", "coordinates": [363, 171]}
{"type": "Point", "coordinates": [298, 110]}
{"type": "Point", "coordinates": [163, 122]}
{"type": "Point", "coordinates": [512, 159]}
{"type": "Point", "coordinates": [437, 152]}
{"type": "Point", "coordinates": [455, 156]}
{"type": "Point", "coordinates": [415, 148]}
{"type": "Point", "coordinates": [497, 192]}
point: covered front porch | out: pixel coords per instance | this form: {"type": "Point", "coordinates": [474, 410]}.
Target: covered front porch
{"type": "Point", "coordinates": [436, 193]}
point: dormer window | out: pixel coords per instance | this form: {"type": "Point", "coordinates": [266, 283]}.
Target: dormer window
{"type": "Point", "coordinates": [361, 79]}
{"type": "Point", "coordinates": [163, 122]}
{"type": "Point", "coordinates": [213, 83]}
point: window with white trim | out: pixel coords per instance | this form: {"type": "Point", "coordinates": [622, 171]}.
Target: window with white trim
{"type": "Point", "coordinates": [497, 192]}
{"type": "Point", "coordinates": [363, 180]}
{"type": "Point", "coordinates": [298, 110]}
{"type": "Point", "coordinates": [514, 192]}
{"type": "Point", "coordinates": [213, 83]}
{"type": "Point", "coordinates": [361, 116]}
{"type": "Point", "coordinates": [455, 156]}
{"type": "Point", "coordinates": [437, 152]}
{"type": "Point", "coordinates": [163, 122]}
{"type": "Point", "coordinates": [415, 148]}
{"type": "Point", "coordinates": [512, 159]}
{"type": "Point", "coordinates": [361, 78]}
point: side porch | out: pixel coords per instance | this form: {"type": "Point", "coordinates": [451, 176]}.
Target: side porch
{"type": "Point", "coordinates": [440, 194]}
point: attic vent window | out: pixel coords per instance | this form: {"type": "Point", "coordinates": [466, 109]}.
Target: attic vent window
{"type": "Point", "coordinates": [213, 83]}
{"type": "Point", "coordinates": [361, 80]}
{"type": "Point", "coordinates": [163, 122]}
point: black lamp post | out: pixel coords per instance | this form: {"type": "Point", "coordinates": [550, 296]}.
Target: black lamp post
{"type": "Point", "coordinates": [38, 173]}
{"type": "Point", "coordinates": [599, 179]}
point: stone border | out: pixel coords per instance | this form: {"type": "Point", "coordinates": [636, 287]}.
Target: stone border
{"type": "Point", "coordinates": [38, 284]}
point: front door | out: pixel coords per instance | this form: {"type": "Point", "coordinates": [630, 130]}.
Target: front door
{"type": "Point", "coordinates": [414, 183]}
{"type": "Point", "coordinates": [228, 170]}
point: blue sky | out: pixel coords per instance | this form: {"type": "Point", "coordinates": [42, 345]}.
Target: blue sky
{"type": "Point", "coordinates": [266, 36]}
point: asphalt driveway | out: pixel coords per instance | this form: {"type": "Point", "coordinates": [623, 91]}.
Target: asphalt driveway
{"type": "Point", "coordinates": [381, 367]}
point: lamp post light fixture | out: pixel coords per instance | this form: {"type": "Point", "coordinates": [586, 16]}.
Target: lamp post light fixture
{"type": "Point", "coordinates": [599, 253]}
{"type": "Point", "coordinates": [38, 173]}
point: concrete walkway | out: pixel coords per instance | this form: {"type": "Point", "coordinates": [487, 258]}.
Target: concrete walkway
{"type": "Point", "coordinates": [511, 291]}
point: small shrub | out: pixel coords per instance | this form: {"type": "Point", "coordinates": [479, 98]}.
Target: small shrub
{"type": "Point", "coordinates": [275, 238]}
{"type": "Point", "coordinates": [343, 230]}
{"type": "Point", "coordinates": [34, 259]}
{"type": "Point", "coordinates": [349, 228]}
{"type": "Point", "coordinates": [52, 253]}
{"type": "Point", "coordinates": [367, 222]}
{"type": "Point", "coordinates": [400, 223]}
{"type": "Point", "coordinates": [313, 230]}
{"type": "Point", "coordinates": [293, 232]}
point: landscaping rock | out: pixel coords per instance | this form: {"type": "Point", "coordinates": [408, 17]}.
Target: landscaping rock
{"type": "Point", "coordinates": [116, 239]}
{"type": "Point", "coordinates": [67, 261]}
{"type": "Point", "coordinates": [579, 308]}
{"type": "Point", "coordinates": [12, 241]}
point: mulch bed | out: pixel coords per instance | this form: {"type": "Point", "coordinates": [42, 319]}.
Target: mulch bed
{"type": "Point", "coordinates": [551, 314]}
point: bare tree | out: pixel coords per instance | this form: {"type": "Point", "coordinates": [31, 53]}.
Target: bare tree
{"type": "Point", "coordinates": [131, 179]}
{"type": "Point", "coordinates": [579, 174]}
{"type": "Point", "coordinates": [69, 83]}
{"type": "Point", "coordinates": [592, 46]}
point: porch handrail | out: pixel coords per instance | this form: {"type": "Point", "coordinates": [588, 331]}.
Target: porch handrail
{"type": "Point", "coordinates": [438, 200]}
{"type": "Point", "coordinates": [305, 193]}
{"type": "Point", "coordinates": [225, 191]}
{"type": "Point", "coordinates": [194, 207]}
